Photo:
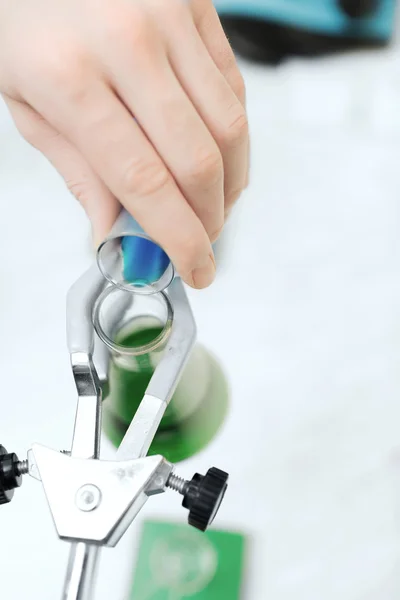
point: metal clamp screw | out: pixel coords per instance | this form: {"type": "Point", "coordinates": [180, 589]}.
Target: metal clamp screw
{"type": "Point", "coordinates": [88, 497]}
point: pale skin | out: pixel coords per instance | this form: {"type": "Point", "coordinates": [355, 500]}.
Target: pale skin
{"type": "Point", "coordinates": [74, 73]}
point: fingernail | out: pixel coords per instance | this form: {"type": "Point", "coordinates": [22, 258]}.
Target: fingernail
{"type": "Point", "coordinates": [203, 276]}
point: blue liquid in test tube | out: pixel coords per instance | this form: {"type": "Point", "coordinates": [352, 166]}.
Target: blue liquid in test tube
{"type": "Point", "coordinates": [144, 263]}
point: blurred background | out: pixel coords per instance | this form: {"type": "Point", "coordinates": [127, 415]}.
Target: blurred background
{"type": "Point", "coordinates": [304, 318]}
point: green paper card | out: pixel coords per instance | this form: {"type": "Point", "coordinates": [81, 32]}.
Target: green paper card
{"type": "Point", "coordinates": [177, 562]}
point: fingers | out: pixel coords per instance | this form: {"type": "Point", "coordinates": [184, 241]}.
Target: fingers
{"type": "Point", "coordinates": [99, 203]}
{"type": "Point", "coordinates": [210, 29]}
{"type": "Point", "coordinates": [102, 129]}
{"type": "Point", "coordinates": [211, 32]}
{"type": "Point", "coordinates": [212, 96]}
{"type": "Point", "coordinates": [149, 106]}
{"type": "Point", "coordinates": [174, 127]}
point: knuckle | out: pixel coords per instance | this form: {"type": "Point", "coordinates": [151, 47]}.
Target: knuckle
{"type": "Point", "coordinates": [79, 189]}
{"type": "Point", "coordinates": [129, 25]}
{"type": "Point", "coordinates": [237, 129]}
{"type": "Point", "coordinates": [145, 178]}
{"type": "Point", "coordinates": [68, 74]}
{"type": "Point", "coordinates": [207, 168]}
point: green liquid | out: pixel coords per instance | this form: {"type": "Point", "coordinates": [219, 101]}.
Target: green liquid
{"type": "Point", "coordinates": [190, 421]}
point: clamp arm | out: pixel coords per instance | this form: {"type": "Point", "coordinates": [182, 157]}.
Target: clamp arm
{"type": "Point", "coordinates": [92, 501]}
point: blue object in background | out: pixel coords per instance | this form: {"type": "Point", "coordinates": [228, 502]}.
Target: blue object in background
{"type": "Point", "coordinates": [144, 262]}
{"type": "Point", "coordinates": [319, 16]}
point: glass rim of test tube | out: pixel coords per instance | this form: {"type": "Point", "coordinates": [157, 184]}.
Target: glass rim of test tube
{"type": "Point", "coordinates": [129, 297]}
{"type": "Point", "coordinates": [110, 260]}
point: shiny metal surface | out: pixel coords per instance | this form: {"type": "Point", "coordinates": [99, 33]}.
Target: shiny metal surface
{"type": "Point", "coordinates": [92, 501]}
{"type": "Point", "coordinates": [88, 497]}
{"type": "Point", "coordinates": [87, 430]}
{"type": "Point", "coordinates": [80, 299]}
{"type": "Point", "coordinates": [79, 580]}
{"type": "Point", "coordinates": [165, 378]}
{"type": "Point", "coordinates": [81, 572]}
{"type": "Point", "coordinates": [122, 489]}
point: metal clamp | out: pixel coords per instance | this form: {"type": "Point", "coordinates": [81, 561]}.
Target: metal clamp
{"type": "Point", "coordinates": [93, 502]}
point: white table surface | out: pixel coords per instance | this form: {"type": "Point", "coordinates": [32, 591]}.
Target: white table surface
{"type": "Point", "coordinates": [305, 317]}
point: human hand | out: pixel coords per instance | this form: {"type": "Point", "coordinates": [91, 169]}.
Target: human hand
{"type": "Point", "coordinates": [74, 73]}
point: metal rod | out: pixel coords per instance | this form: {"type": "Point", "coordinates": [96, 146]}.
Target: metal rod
{"type": "Point", "coordinates": [83, 558]}
{"type": "Point", "coordinates": [81, 572]}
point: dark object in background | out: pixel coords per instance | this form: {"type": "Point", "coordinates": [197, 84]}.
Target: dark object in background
{"type": "Point", "coordinates": [357, 9]}
{"type": "Point", "coordinates": [270, 31]}
{"type": "Point", "coordinates": [11, 471]}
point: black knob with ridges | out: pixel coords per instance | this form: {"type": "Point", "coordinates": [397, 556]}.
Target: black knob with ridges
{"type": "Point", "coordinates": [202, 496]}
{"type": "Point", "coordinates": [11, 470]}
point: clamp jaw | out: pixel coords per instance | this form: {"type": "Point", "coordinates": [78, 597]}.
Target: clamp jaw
{"type": "Point", "coordinates": [93, 501]}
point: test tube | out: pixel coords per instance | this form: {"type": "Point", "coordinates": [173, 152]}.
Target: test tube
{"type": "Point", "coordinates": [131, 260]}
{"type": "Point", "coordinates": [119, 316]}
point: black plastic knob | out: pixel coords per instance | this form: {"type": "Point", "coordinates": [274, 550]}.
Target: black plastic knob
{"type": "Point", "coordinates": [10, 477]}
{"type": "Point", "coordinates": [203, 496]}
